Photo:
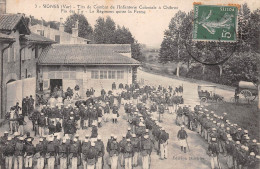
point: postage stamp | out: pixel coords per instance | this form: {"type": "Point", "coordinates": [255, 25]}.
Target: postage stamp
{"type": "Point", "coordinates": [215, 23]}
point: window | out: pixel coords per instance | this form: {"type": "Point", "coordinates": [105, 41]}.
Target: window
{"type": "Point", "coordinates": [120, 74]}
{"type": "Point", "coordinates": [57, 38]}
{"type": "Point", "coordinates": [40, 32]}
{"type": "Point", "coordinates": [103, 74]}
{"type": "Point", "coordinates": [111, 74]}
{"type": "Point", "coordinates": [94, 74]}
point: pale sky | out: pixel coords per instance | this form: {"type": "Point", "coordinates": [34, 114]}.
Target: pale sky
{"type": "Point", "coordinates": [147, 28]}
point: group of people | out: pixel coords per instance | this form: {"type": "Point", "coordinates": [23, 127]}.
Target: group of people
{"type": "Point", "coordinates": [58, 124]}
{"type": "Point", "coordinates": [224, 137]}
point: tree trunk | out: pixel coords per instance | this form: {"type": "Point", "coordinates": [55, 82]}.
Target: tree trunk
{"type": "Point", "coordinates": [178, 69]}
{"type": "Point", "coordinates": [203, 69]}
{"type": "Point", "coordinates": [220, 70]}
{"type": "Point", "coordinates": [259, 96]}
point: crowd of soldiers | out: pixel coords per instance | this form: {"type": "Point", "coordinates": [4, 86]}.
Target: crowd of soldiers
{"type": "Point", "coordinates": [223, 137]}
{"type": "Point", "coordinates": [59, 144]}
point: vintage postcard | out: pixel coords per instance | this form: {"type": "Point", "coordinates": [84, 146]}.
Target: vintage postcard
{"type": "Point", "coordinates": [129, 84]}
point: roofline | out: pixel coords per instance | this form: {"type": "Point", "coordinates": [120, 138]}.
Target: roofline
{"type": "Point", "coordinates": [41, 42]}
{"type": "Point", "coordinates": [7, 40]}
{"type": "Point", "coordinates": [94, 64]}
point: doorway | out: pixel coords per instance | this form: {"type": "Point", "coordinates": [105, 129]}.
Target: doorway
{"type": "Point", "coordinates": [55, 84]}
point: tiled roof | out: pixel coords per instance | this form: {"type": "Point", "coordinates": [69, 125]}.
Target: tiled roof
{"type": "Point", "coordinates": [33, 37]}
{"type": "Point", "coordinates": [4, 37]}
{"type": "Point", "coordinates": [10, 21]}
{"type": "Point", "coordinates": [87, 54]}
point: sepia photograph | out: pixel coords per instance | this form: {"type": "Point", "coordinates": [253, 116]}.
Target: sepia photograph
{"type": "Point", "coordinates": [129, 84]}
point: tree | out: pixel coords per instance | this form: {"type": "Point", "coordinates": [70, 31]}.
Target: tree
{"type": "Point", "coordinates": [85, 29]}
{"type": "Point", "coordinates": [104, 31]}
{"type": "Point", "coordinates": [172, 48]}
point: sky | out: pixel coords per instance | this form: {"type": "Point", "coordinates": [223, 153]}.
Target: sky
{"type": "Point", "coordinates": [147, 28]}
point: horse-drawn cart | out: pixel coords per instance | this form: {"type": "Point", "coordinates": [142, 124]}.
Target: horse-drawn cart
{"type": "Point", "coordinates": [248, 90]}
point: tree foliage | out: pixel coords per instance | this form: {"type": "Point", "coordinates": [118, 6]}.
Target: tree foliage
{"type": "Point", "coordinates": [85, 29]}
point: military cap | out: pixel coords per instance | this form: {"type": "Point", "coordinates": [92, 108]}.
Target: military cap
{"type": "Point", "coordinates": [9, 138]}
{"type": "Point", "coordinates": [213, 139]}
{"type": "Point", "coordinates": [182, 126]}
{"type": "Point", "coordinates": [254, 140]}
{"type": "Point", "coordinates": [93, 144]}
{"type": "Point", "coordinates": [238, 142]}
{"type": "Point", "coordinates": [133, 135]}
{"type": "Point", "coordinates": [29, 139]}
{"type": "Point", "coordinates": [228, 128]}
{"type": "Point", "coordinates": [16, 134]}
{"type": "Point", "coordinates": [6, 132]}
{"type": "Point", "coordinates": [222, 125]}
{"type": "Point", "coordinates": [230, 138]}
{"type": "Point", "coordinates": [75, 139]}
{"type": "Point", "coordinates": [246, 131]}
{"type": "Point", "coordinates": [129, 128]}
{"type": "Point", "coordinates": [224, 113]}
{"type": "Point", "coordinates": [76, 135]}
{"type": "Point", "coordinates": [146, 130]}
{"type": "Point", "coordinates": [257, 156]}
{"type": "Point", "coordinates": [211, 111]}
{"type": "Point", "coordinates": [128, 139]}
{"type": "Point", "coordinates": [252, 154]}
{"type": "Point", "coordinates": [21, 138]}
{"type": "Point", "coordinates": [146, 136]}
{"type": "Point", "coordinates": [239, 129]}
{"type": "Point", "coordinates": [41, 139]}
{"type": "Point", "coordinates": [214, 129]}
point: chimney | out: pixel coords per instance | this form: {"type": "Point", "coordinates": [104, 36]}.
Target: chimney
{"type": "Point", "coordinates": [61, 28]}
{"type": "Point", "coordinates": [2, 6]}
{"type": "Point", "coordinates": [75, 30]}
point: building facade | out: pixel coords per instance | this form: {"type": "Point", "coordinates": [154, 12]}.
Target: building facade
{"type": "Point", "coordinates": [59, 36]}
{"type": "Point", "coordinates": [88, 66]}
{"type": "Point", "coordinates": [19, 59]}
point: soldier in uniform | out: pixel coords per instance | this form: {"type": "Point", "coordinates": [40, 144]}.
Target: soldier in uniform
{"type": "Point", "coordinates": [128, 154]}
{"type": "Point", "coordinates": [182, 137]}
{"type": "Point", "coordinates": [122, 146]}
{"type": "Point", "coordinates": [136, 149]}
{"type": "Point", "coordinates": [100, 152]}
{"type": "Point", "coordinates": [19, 153]}
{"type": "Point", "coordinates": [20, 120]}
{"type": "Point", "coordinates": [179, 116]}
{"type": "Point", "coordinates": [229, 152]}
{"type": "Point", "coordinates": [114, 152]}
{"type": "Point", "coordinates": [106, 112]}
{"type": "Point", "coordinates": [29, 153]}
{"type": "Point", "coordinates": [115, 113]}
{"type": "Point", "coordinates": [73, 154]}
{"type": "Point", "coordinates": [40, 154]}
{"type": "Point", "coordinates": [84, 150]}
{"type": "Point", "coordinates": [161, 112]}
{"type": "Point", "coordinates": [91, 156]}
{"type": "Point", "coordinates": [63, 154]}
{"type": "Point", "coordinates": [213, 152]}
{"type": "Point", "coordinates": [42, 124]}
{"type": "Point", "coordinates": [8, 153]}
{"type": "Point", "coordinates": [164, 144]}
{"type": "Point", "coordinates": [146, 150]}
{"type": "Point", "coordinates": [51, 153]}
{"type": "Point", "coordinates": [113, 86]}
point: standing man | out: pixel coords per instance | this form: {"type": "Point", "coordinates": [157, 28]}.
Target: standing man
{"type": "Point", "coordinates": [40, 80]}
{"type": "Point", "coordinates": [9, 153]}
{"type": "Point", "coordinates": [100, 152]}
{"type": "Point", "coordinates": [128, 154]}
{"type": "Point", "coordinates": [182, 137]}
{"type": "Point", "coordinates": [213, 152]}
{"type": "Point", "coordinates": [31, 104]}
{"type": "Point", "coordinates": [115, 113]}
{"type": "Point", "coordinates": [63, 154]}
{"type": "Point", "coordinates": [164, 144]}
{"type": "Point", "coordinates": [136, 149]}
{"type": "Point", "coordinates": [73, 154]}
{"type": "Point", "coordinates": [50, 156]}
{"type": "Point", "coordinates": [40, 154]}
{"type": "Point", "coordinates": [29, 153]}
{"type": "Point", "coordinates": [20, 120]}
{"type": "Point", "coordinates": [114, 152]}
{"type": "Point", "coordinates": [91, 156]}
{"type": "Point", "coordinates": [19, 154]}
{"type": "Point", "coordinates": [146, 150]}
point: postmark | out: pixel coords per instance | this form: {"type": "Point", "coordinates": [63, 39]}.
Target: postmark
{"type": "Point", "coordinates": [215, 23]}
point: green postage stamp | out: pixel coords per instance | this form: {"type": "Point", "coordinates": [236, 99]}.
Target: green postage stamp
{"type": "Point", "coordinates": [215, 23]}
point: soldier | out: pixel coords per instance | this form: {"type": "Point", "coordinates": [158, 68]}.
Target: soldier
{"type": "Point", "coordinates": [99, 114]}
{"type": "Point", "coordinates": [114, 152]}
{"type": "Point", "coordinates": [146, 150]}
{"type": "Point", "coordinates": [106, 112]}
{"type": "Point", "coordinates": [84, 150]}
{"type": "Point", "coordinates": [40, 154]}
{"type": "Point", "coordinates": [91, 156]}
{"type": "Point", "coordinates": [179, 116]}
{"type": "Point", "coordinates": [51, 153]}
{"type": "Point", "coordinates": [136, 149]}
{"type": "Point", "coordinates": [42, 124]}
{"type": "Point", "coordinates": [161, 112]}
{"type": "Point", "coordinates": [4, 138]}
{"type": "Point", "coordinates": [213, 152]}
{"type": "Point", "coordinates": [8, 153]}
{"type": "Point", "coordinates": [229, 152]}
{"type": "Point", "coordinates": [29, 153]}
{"type": "Point", "coordinates": [113, 86]}
{"type": "Point", "coordinates": [164, 144]}
{"type": "Point", "coordinates": [20, 120]}
{"type": "Point", "coordinates": [94, 131]}
{"type": "Point", "coordinates": [73, 154]}
{"type": "Point", "coordinates": [115, 113]}
{"type": "Point", "coordinates": [26, 140]}
{"type": "Point", "coordinates": [19, 153]}
{"type": "Point", "coordinates": [31, 104]}
{"type": "Point", "coordinates": [63, 154]}
{"type": "Point", "coordinates": [122, 146]}
{"type": "Point", "coordinates": [182, 137]}
{"type": "Point", "coordinates": [128, 154]}
{"type": "Point", "coordinates": [100, 152]}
